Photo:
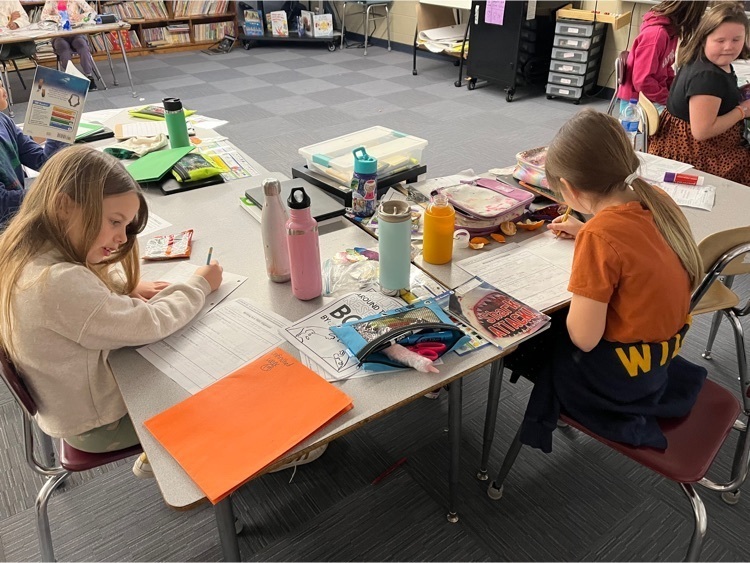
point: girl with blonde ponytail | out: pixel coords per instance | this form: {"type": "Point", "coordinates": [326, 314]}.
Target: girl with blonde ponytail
{"type": "Point", "coordinates": [634, 267]}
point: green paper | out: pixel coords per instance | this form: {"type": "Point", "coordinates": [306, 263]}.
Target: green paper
{"type": "Point", "coordinates": [154, 165]}
{"type": "Point", "coordinates": [86, 129]}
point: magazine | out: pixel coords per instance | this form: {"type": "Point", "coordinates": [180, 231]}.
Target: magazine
{"type": "Point", "coordinates": [495, 315]}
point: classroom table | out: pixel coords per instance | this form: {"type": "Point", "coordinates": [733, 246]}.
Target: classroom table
{"type": "Point", "coordinates": [236, 240]}
{"type": "Point", "coordinates": [39, 34]}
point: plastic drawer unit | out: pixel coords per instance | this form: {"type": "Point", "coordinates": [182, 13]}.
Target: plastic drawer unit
{"type": "Point", "coordinates": [394, 151]}
{"type": "Point", "coordinates": [576, 58]}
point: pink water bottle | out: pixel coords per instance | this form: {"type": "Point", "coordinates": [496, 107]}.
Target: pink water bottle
{"type": "Point", "coordinates": [304, 249]}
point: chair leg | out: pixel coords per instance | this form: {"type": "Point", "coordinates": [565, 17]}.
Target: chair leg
{"type": "Point", "coordinates": [739, 343]}
{"type": "Point", "coordinates": [495, 490]}
{"type": "Point", "coordinates": [343, 24]}
{"type": "Point", "coordinates": [111, 66]}
{"type": "Point", "coordinates": [18, 72]}
{"type": "Point", "coordinates": [388, 25]}
{"type": "Point", "coordinates": [97, 74]}
{"type": "Point", "coordinates": [366, 25]}
{"type": "Point", "coordinates": [6, 83]}
{"type": "Point", "coordinates": [42, 518]}
{"type": "Point", "coordinates": [701, 522]}
{"type": "Point", "coordinates": [715, 322]}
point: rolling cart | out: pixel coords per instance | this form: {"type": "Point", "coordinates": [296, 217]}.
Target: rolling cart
{"type": "Point", "coordinates": [514, 53]}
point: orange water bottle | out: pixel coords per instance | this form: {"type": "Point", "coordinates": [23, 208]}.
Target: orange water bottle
{"type": "Point", "coordinates": [439, 224]}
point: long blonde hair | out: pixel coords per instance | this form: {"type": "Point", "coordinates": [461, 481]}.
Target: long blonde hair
{"type": "Point", "coordinates": [85, 176]}
{"type": "Point", "coordinates": [592, 152]}
{"type": "Point", "coordinates": [721, 12]}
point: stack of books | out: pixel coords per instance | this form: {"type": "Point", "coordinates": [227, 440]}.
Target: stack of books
{"type": "Point", "coordinates": [184, 8]}
{"type": "Point", "coordinates": [212, 31]}
{"type": "Point", "coordinates": [138, 10]}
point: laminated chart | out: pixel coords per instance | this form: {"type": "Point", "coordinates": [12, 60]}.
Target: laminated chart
{"type": "Point", "coordinates": [55, 105]}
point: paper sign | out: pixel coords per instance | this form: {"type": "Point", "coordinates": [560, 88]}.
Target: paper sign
{"type": "Point", "coordinates": [494, 13]}
{"type": "Point", "coordinates": [55, 105]}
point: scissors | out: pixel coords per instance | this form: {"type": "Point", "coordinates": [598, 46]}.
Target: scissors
{"type": "Point", "coordinates": [430, 350]}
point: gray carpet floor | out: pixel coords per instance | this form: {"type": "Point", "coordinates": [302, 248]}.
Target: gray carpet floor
{"type": "Point", "coordinates": [582, 502]}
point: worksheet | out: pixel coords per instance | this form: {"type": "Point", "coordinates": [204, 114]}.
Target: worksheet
{"type": "Point", "coordinates": [154, 223]}
{"type": "Point", "coordinates": [654, 167]}
{"type": "Point", "coordinates": [700, 197]}
{"type": "Point", "coordinates": [536, 271]}
{"type": "Point", "coordinates": [216, 344]}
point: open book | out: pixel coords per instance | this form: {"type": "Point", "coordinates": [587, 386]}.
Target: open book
{"type": "Point", "coordinates": [495, 315]}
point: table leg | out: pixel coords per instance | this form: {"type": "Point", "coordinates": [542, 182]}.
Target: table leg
{"type": "Point", "coordinates": [230, 547]}
{"type": "Point", "coordinates": [493, 396]}
{"type": "Point", "coordinates": [455, 390]}
{"type": "Point", "coordinates": [125, 60]}
{"type": "Point", "coordinates": [109, 58]}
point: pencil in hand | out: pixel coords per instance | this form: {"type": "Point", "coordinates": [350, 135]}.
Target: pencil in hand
{"type": "Point", "coordinates": [208, 259]}
{"type": "Point", "coordinates": [564, 218]}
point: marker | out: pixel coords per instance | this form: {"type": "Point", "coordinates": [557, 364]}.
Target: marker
{"type": "Point", "coordinates": [565, 218]}
{"type": "Point", "coordinates": [388, 471]}
{"type": "Point", "coordinates": [208, 259]}
{"type": "Point", "coordinates": [679, 178]}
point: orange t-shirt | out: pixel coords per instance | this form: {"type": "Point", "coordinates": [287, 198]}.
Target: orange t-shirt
{"type": "Point", "coordinates": [623, 260]}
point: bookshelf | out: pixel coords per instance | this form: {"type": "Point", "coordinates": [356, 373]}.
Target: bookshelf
{"type": "Point", "coordinates": [159, 25]}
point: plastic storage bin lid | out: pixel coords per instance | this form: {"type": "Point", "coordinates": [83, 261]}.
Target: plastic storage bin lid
{"type": "Point", "coordinates": [393, 150]}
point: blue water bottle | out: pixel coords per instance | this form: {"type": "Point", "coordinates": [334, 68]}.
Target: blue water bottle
{"type": "Point", "coordinates": [364, 184]}
{"type": "Point", "coordinates": [394, 245]}
{"type": "Point", "coordinates": [62, 9]}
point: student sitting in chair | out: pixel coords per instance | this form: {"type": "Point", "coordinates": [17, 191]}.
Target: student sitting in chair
{"type": "Point", "coordinates": [17, 150]}
{"type": "Point", "coordinates": [704, 122]}
{"type": "Point", "coordinates": [13, 16]}
{"type": "Point", "coordinates": [64, 47]}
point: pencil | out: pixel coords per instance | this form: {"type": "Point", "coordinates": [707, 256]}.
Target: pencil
{"type": "Point", "coordinates": [565, 218]}
{"type": "Point", "coordinates": [210, 252]}
{"type": "Point", "coordinates": [388, 471]}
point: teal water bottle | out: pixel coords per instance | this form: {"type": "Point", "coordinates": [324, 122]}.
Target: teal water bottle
{"type": "Point", "coordinates": [364, 184]}
{"type": "Point", "coordinates": [176, 124]}
{"type": "Point", "coordinates": [394, 245]}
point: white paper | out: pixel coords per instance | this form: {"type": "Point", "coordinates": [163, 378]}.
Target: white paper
{"type": "Point", "coordinates": [205, 122]}
{"type": "Point", "coordinates": [536, 271]}
{"type": "Point", "coordinates": [182, 272]}
{"type": "Point", "coordinates": [100, 116]}
{"type": "Point", "coordinates": [700, 197]}
{"type": "Point", "coordinates": [238, 165]}
{"type": "Point", "coordinates": [216, 344]}
{"type": "Point", "coordinates": [313, 338]}
{"type": "Point", "coordinates": [426, 187]}
{"type": "Point", "coordinates": [654, 167]}
{"type": "Point", "coordinates": [155, 223]}
{"type": "Point", "coordinates": [143, 129]}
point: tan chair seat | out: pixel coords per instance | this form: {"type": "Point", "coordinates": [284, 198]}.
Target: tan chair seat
{"type": "Point", "coordinates": [717, 298]}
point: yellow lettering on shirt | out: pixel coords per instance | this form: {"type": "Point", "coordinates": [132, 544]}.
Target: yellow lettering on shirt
{"type": "Point", "coordinates": [634, 360]}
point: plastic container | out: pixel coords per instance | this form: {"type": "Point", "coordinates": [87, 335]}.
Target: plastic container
{"type": "Point", "coordinates": [439, 224]}
{"type": "Point", "coordinates": [394, 245]}
{"type": "Point", "coordinates": [393, 150]}
{"type": "Point", "coordinates": [573, 68]}
{"type": "Point", "coordinates": [273, 221]}
{"type": "Point", "coordinates": [364, 184]}
{"type": "Point", "coordinates": [304, 247]}
{"type": "Point", "coordinates": [571, 79]}
{"type": "Point", "coordinates": [630, 119]}
{"type": "Point", "coordinates": [569, 55]}
{"type": "Point", "coordinates": [582, 29]}
{"type": "Point", "coordinates": [174, 115]}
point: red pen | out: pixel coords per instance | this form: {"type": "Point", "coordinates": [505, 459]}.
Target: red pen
{"type": "Point", "coordinates": [388, 471]}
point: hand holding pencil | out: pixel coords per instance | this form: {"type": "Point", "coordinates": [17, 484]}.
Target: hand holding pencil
{"type": "Point", "coordinates": [565, 226]}
{"type": "Point", "coordinates": [212, 271]}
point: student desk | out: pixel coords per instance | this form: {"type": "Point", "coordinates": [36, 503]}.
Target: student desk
{"type": "Point", "coordinates": [236, 240]}
{"type": "Point", "coordinates": [26, 34]}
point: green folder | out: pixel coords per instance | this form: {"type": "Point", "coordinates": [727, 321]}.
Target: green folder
{"type": "Point", "coordinates": [154, 165]}
{"type": "Point", "coordinates": [86, 129]}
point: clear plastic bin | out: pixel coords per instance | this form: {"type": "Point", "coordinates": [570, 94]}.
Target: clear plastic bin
{"type": "Point", "coordinates": [571, 79]}
{"type": "Point", "coordinates": [573, 68]}
{"type": "Point", "coordinates": [570, 42]}
{"type": "Point", "coordinates": [394, 151]}
{"type": "Point", "coordinates": [582, 29]}
{"type": "Point", "coordinates": [568, 55]}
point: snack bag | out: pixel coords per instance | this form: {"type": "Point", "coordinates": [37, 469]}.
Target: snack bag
{"type": "Point", "coordinates": [195, 166]}
{"type": "Point", "coordinates": [166, 247]}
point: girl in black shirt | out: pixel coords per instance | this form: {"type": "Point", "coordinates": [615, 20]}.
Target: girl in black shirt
{"type": "Point", "coordinates": [704, 119]}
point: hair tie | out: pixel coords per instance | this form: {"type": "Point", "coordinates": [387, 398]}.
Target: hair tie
{"type": "Point", "coordinates": [629, 180]}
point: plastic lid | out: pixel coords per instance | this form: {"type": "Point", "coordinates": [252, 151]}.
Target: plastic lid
{"type": "Point", "coordinates": [440, 200]}
{"type": "Point", "coordinates": [298, 199]}
{"type": "Point", "coordinates": [394, 211]}
{"type": "Point", "coordinates": [172, 104]}
{"type": "Point", "coordinates": [633, 101]}
{"type": "Point", "coordinates": [363, 162]}
{"type": "Point", "coordinates": [271, 187]}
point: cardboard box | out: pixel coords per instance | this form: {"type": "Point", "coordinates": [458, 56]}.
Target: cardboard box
{"type": "Point", "coordinates": [279, 26]}
{"type": "Point", "coordinates": [323, 25]}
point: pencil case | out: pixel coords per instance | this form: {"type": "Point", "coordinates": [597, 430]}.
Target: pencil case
{"type": "Point", "coordinates": [420, 322]}
{"type": "Point", "coordinates": [530, 167]}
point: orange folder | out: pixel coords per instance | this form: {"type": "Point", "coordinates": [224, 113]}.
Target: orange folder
{"type": "Point", "coordinates": [225, 434]}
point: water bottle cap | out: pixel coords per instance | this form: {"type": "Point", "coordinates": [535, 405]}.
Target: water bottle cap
{"type": "Point", "coordinates": [440, 199]}
{"type": "Point", "coordinates": [172, 104]}
{"type": "Point", "coordinates": [363, 162]}
{"type": "Point", "coordinates": [633, 101]}
{"type": "Point", "coordinates": [298, 199]}
{"type": "Point", "coordinates": [271, 187]}
{"type": "Point", "coordinates": [394, 211]}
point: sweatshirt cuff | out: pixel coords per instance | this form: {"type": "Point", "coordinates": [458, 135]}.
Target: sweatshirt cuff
{"type": "Point", "coordinates": [201, 283]}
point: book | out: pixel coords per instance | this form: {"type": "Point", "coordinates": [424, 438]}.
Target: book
{"type": "Point", "coordinates": [154, 112]}
{"type": "Point", "coordinates": [230, 431]}
{"type": "Point", "coordinates": [253, 23]}
{"type": "Point", "coordinates": [323, 25]}
{"type": "Point", "coordinates": [496, 316]}
{"type": "Point", "coordinates": [279, 27]}
{"type": "Point", "coordinates": [249, 206]}
{"type": "Point", "coordinates": [306, 22]}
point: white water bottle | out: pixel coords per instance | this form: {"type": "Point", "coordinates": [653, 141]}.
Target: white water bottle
{"type": "Point", "coordinates": [273, 220]}
{"type": "Point", "coordinates": [630, 120]}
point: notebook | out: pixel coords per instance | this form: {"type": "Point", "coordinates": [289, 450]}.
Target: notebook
{"type": "Point", "coordinates": [155, 165]}
{"type": "Point", "coordinates": [322, 206]}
